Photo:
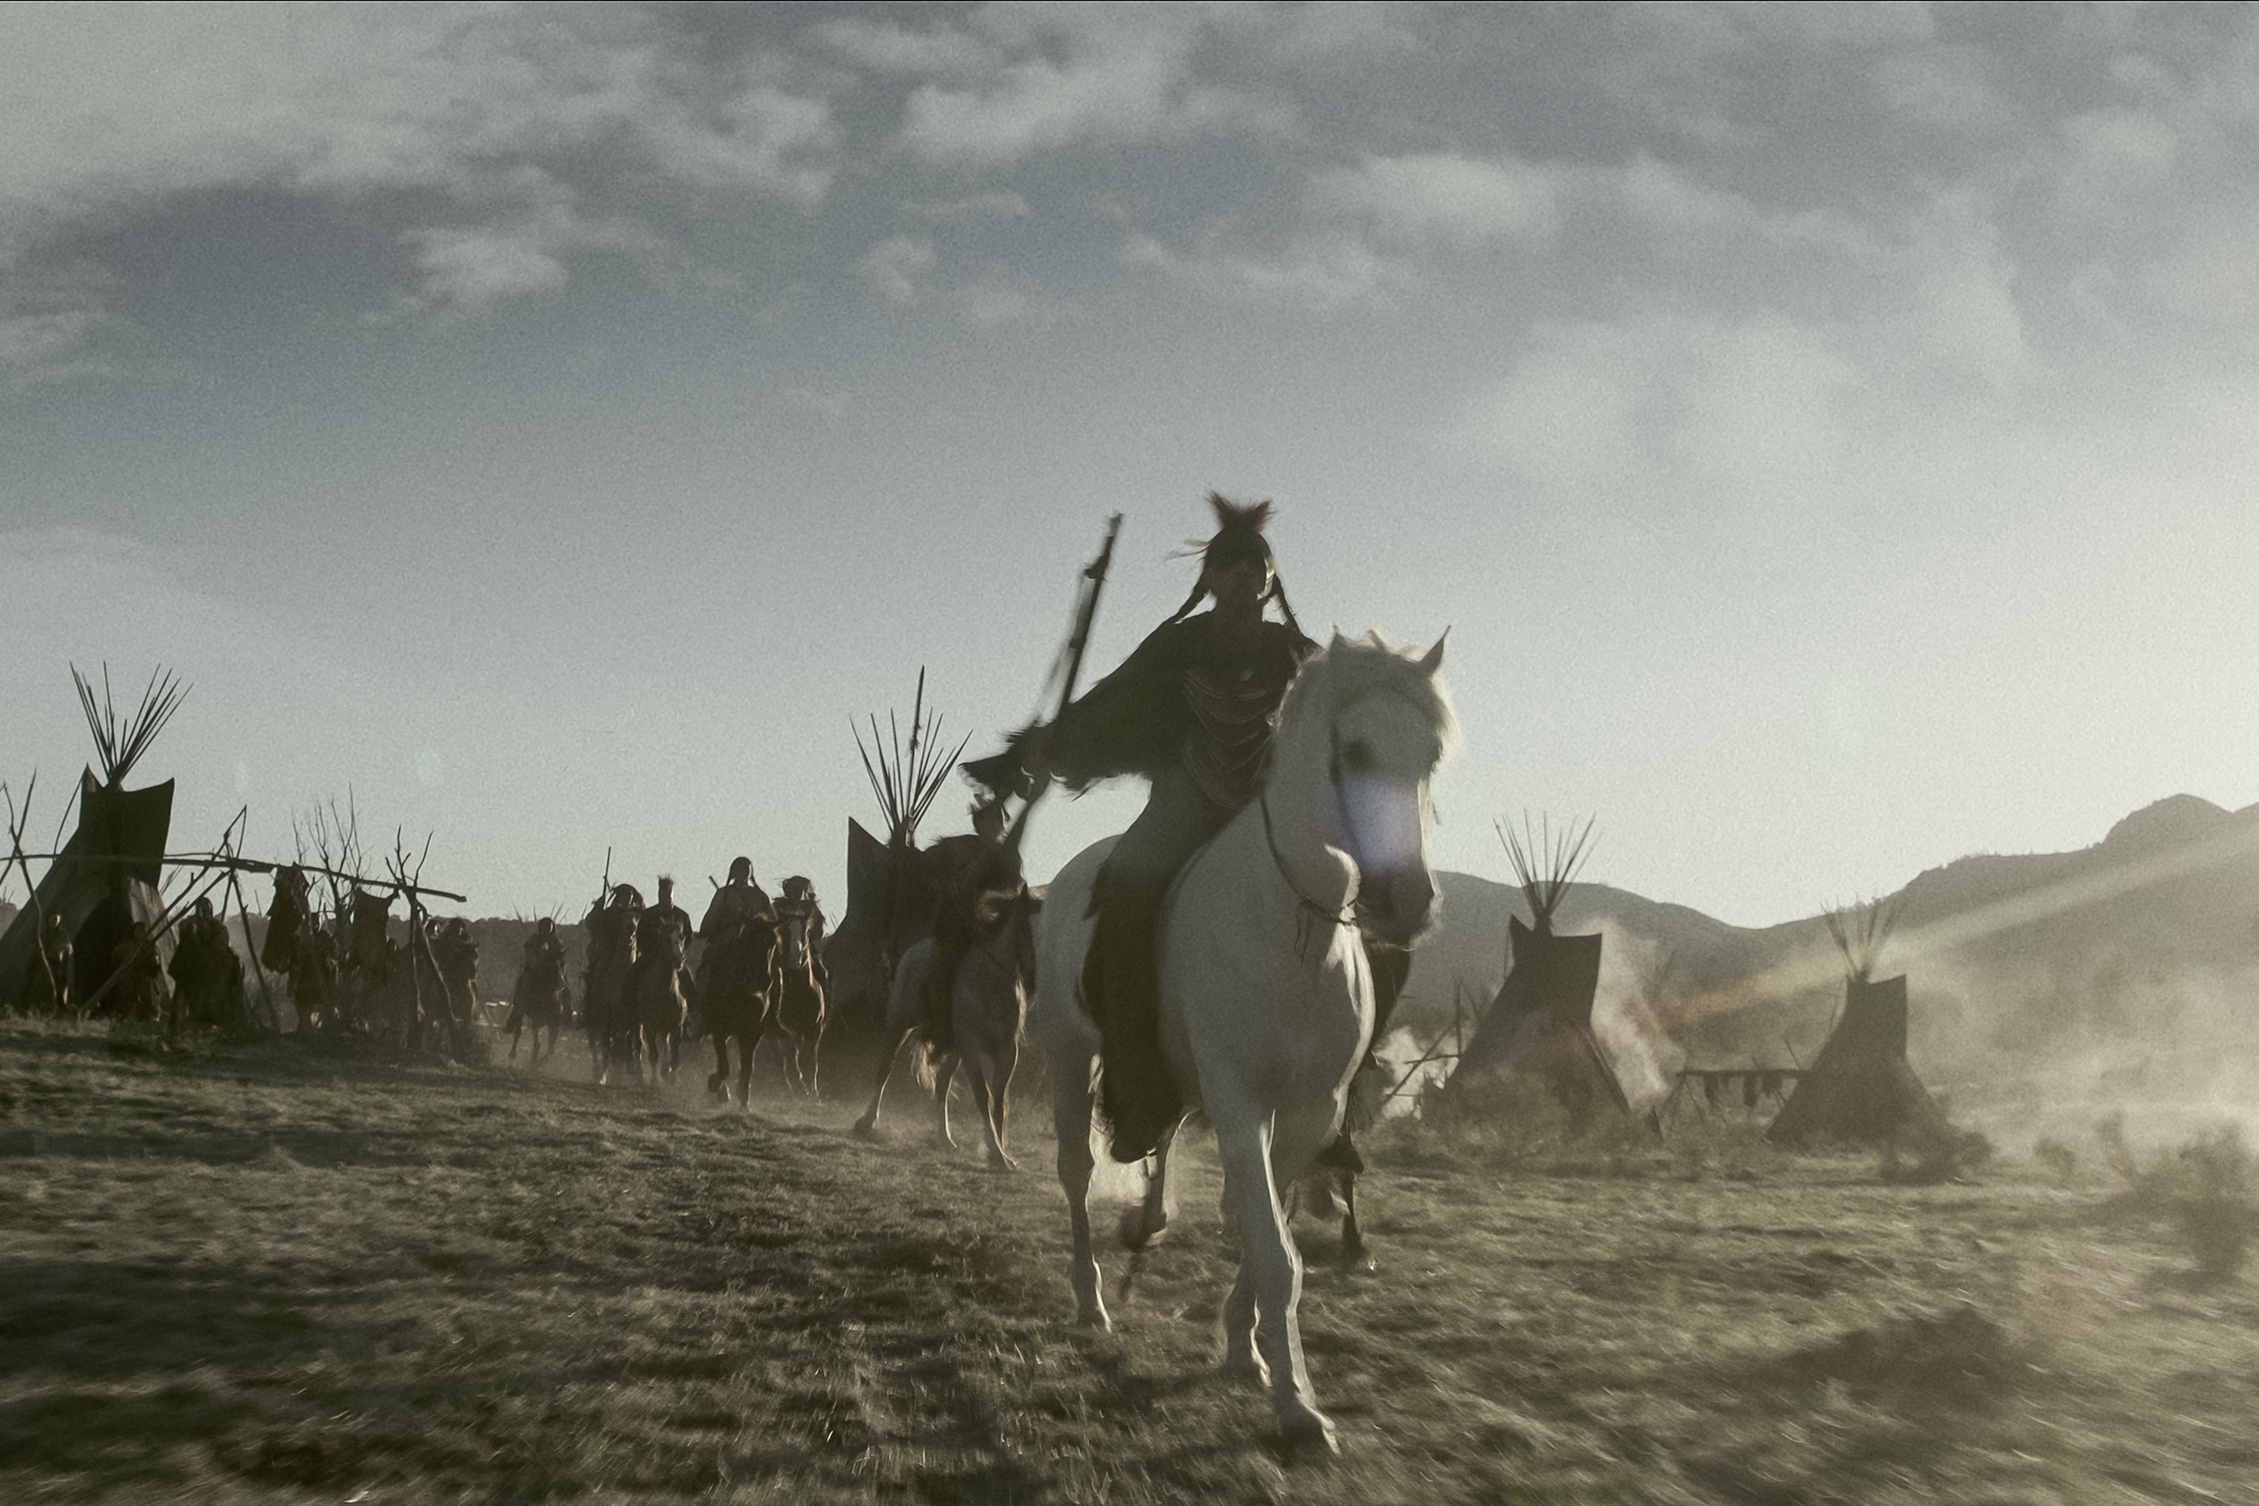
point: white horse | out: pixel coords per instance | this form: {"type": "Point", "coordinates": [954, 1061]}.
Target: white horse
{"type": "Point", "coordinates": [1266, 995]}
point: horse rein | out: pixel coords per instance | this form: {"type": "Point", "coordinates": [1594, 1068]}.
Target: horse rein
{"type": "Point", "coordinates": [1347, 916]}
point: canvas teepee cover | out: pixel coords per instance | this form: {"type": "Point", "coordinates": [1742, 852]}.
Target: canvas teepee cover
{"type": "Point", "coordinates": [108, 872]}
{"type": "Point", "coordinates": [891, 891]}
{"type": "Point", "coordinates": [1860, 1087]}
{"type": "Point", "coordinates": [1540, 1023]}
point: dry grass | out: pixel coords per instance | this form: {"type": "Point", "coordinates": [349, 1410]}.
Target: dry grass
{"type": "Point", "coordinates": [260, 1275]}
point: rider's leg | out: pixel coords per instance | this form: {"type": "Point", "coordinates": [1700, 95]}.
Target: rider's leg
{"type": "Point", "coordinates": [1121, 976]}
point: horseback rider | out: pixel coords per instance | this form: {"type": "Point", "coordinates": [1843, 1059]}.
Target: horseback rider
{"type": "Point", "coordinates": [610, 926]}
{"type": "Point", "coordinates": [735, 903]}
{"type": "Point", "coordinates": [732, 961]}
{"type": "Point", "coordinates": [966, 869]}
{"type": "Point", "coordinates": [542, 966]}
{"type": "Point", "coordinates": [652, 926]}
{"type": "Point", "coordinates": [545, 948]}
{"type": "Point", "coordinates": [1192, 710]}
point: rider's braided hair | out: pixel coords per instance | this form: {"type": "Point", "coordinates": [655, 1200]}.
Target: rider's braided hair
{"type": "Point", "coordinates": [1238, 538]}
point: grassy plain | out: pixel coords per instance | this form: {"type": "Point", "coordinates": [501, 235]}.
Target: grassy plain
{"type": "Point", "coordinates": [269, 1275]}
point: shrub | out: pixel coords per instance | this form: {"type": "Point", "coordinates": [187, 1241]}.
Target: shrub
{"type": "Point", "coordinates": [1517, 1120]}
{"type": "Point", "coordinates": [1932, 1156]}
{"type": "Point", "coordinates": [2213, 1200]}
{"type": "Point", "coordinates": [2208, 1190]}
{"type": "Point", "coordinates": [2061, 1161]}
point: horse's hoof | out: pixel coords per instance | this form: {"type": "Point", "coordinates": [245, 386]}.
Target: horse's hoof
{"type": "Point", "coordinates": [1357, 1258]}
{"type": "Point", "coordinates": [1247, 1370]}
{"type": "Point", "coordinates": [1309, 1433]}
{"type": "Point", "coordinates": [865, 1129]}
{"type": "Point", "coordinates": [1095, 1318]}
{"type": "Point", "coordinates": [1002, 1163]}
{"type": "Point", "coordinates": [1134, 1232]}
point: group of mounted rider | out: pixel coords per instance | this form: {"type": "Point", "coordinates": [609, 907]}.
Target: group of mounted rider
{"type": "Point", "coordinates": [761, 966]}
{"type": "Point", "coordinates": [199, 987]}
{"type": "Point", "coordinates": [415, 993]}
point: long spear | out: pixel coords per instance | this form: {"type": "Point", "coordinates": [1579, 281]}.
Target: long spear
{"type": "Point", "coordinates": [1086, 613]}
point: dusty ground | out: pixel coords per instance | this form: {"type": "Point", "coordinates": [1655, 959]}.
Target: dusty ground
{"type": "Point", "coordinates": [270, 1275]}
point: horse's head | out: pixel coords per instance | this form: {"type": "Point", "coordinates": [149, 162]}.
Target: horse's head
{"type": "Point", "coordinates": [1008, 917]}
{"type": "Point", "coordinates": [1373, 722]}
{"type": "Point", "coordinates": [797, 922]}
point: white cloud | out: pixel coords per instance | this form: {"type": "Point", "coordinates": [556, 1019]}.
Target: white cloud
{"type": "Point", "coordinates": [1941, 86]}
{"type": "Point", "coordinates": [1667, 199]}
{"type": "Point", "coordinates": [1322, 272]}
{"type": "Point", "coordinates": [941, 51]}
{"type": "Point", "coordinates": [1963, 301]}
{"type": "Point", "coordinates": [2213, 273]}
{"type": "Point", "coordinates": [1070, 76]}
{"type": "Point", "coordinates": [106, 107]}
{"type": "Point", "coordinates": [1568, 417]}
{"type": "Point", "coordinates": [2113, 156]}
{"type": "Point", "coordinates": [110, 113]}
{"type": "Point", "coordinates": [473, 268]}
{"type": "Point", "coordinates": [896, 266]}
{"type": "Point", "coordinates": [995, 299]}
{"type": "Point", "coordinates": [1872, 24]}
{"type": "Point", "coordinates": [974, 208]}
{"type": "Point", "coordinates": [1667, 412]}
{"type": "Point", "coordinates": [29, 341]}
{"type": "Point", "coordinates": [1445, 196]}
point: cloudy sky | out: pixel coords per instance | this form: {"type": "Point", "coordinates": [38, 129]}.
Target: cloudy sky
{"type": "Point", "coordinates": [1827, 433]}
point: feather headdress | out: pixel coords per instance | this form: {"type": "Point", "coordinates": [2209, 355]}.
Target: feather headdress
{"type": "Point", "coordinates": [1238, 537]}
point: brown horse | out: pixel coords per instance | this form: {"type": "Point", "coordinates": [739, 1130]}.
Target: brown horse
{"type": "Point", "coordinates": [800, 986]}
{"type": "Point", "coordinates": [659, 1007]}
{"type": "Point", "coordinates": [376, 987]}
{"type": "Point", "coordinates": [607, 1005]}
{"type": "Point", "coordinates": [540, 1000]}
{"type": "Point", "coordinates": [989, 1004]}
{"type": "Point", "coordinates": [734, 997]}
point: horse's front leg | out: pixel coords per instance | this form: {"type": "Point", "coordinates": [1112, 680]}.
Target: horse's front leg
{"type": "Point", "coordinates": [988, 1097]}
{"type": "Point", "coordinates": [1002, 1066]}
{"type": "Point", "coordinates": [803, 1066]}
{"type": "Point", "coordinates": [717, 1081]}
{"type": "Point", "coordinates": [1149, 1220]}
{"type": "Point", "coordinates": [1070, 1121]}
{"type": "Point", "coordinates": [1271, 1265]}
{"type": "Point", "coordinates": [1341, 1166]}
{"type": "Point", "coordinates": [867, 1126]}
{"type": "Point", "coordinates": [942, 1077]}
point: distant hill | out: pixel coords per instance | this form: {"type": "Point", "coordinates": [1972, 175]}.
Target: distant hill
{"type": "Point", "coordinates": [2148, 939]}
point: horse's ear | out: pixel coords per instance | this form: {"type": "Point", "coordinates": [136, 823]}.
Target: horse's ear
{"type": "Point", "coordinates": [1338, 642]}
{"type": "Point", "coordinates": [1432, 660]}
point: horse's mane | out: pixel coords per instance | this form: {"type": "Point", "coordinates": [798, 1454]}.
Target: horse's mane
{"type": "Point", "coordinates": [1347, 671]}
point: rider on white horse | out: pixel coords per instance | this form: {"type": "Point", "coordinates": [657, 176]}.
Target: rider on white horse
{"type": "Point", "coordinates": [1192, 710]}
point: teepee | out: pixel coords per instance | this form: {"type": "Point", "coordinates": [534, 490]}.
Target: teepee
{"type": "Point", "coordinates": [1540, 1024]}
{"type": "Point", "coordinates": [106, 875]}
{"type": "Point", "coordinates": [890, 893]}
{"type": "Point", "coordinates": [1860, 1087]}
